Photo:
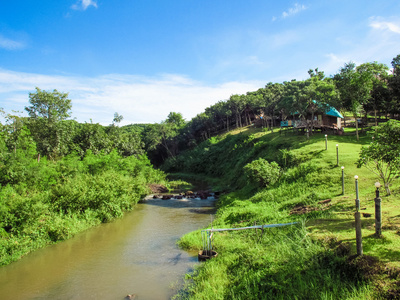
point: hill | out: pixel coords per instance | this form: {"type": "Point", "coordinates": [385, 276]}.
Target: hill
{"type": "Point", "coordinates": [314, 259]}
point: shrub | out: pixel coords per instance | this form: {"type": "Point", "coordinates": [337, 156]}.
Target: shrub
{"type": "Point", "coordinates": [262, 172]}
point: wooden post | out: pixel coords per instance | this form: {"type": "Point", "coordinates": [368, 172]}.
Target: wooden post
{"type": "Point", "coordinates": [342, 180]}
{"type": "Point", "coordinates": [357, 199]}
{"type": "Point", "coordinates": [378, 213]}
{"type": "Point", "coordinates": [357, 216]}
{"type": "Point", "coordinates": [326, 142]}
{"type": "Point", "coordinates": [337, 155]}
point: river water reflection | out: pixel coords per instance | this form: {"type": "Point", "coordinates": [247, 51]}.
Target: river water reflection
{"type": "Point", "coordinates": [133, 255]}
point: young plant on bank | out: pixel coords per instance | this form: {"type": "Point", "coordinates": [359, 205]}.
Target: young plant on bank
{"type": "Point", "coordinates": [382, 156]}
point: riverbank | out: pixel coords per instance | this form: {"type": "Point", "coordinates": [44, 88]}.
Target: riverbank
{"type": "Point", "coordinates": [54, 200]}
{"type": "Point", "coordinates": [135, 254]}
{"type": "Point", "coordinates": [313, 260]}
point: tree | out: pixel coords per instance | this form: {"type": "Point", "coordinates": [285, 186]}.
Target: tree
{"type": "Point", "coordinates": [53, 106]}
{"type": "Point", "coordinates": [11, 130]}
{"type": "Point", "coordinates": [396, 65]}
{"type": "Point", "coordinates": [164, 135]}
{"type": "Point", "coordinates": [91, 137]}
{"type": "Point", "coordinates": [237, 106]}
{"type": "Point", "coordinates": [377, 76]}
{"type": "Point", "coordinates": [117, 118]}
{"type": "Point", "coordinates": [46, 112]}
{"type": "Point", "coordinates": [354, 87]}
{"type": "Point", "coordinates": [296, 99]}
{"type": "Point", "coordinates": [382, 155]}
{"type": "Point", "coordinates": [176, 120]}
{"type": "Point", "coordinates": [322, 90]}
{"type": "Point", "coordinates": [272, 95]}
{"type": "Point", "coordinates": [394, 86]}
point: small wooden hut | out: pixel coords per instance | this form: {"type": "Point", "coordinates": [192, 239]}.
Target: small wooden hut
{"type": "Point", "coordinates": [327, 116]}
{"type": "Point", "coordinates": [320, 117]}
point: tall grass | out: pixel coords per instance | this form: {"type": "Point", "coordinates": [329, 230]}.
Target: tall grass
{"type": "Point", "coordinates": [286, 262]}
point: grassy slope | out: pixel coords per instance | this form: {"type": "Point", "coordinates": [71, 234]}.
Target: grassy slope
{"type": "Point", "coordinates": [312, 260]}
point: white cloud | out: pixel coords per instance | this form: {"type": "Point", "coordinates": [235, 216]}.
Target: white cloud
{"type": "Point", "coordinates": [139, 99]}
{"type": "Point", "coordinates": [379, 43]}
{"type": "Point", "coordinates": [380, 24]}
{"type": "Point", "coordinates": [84, 4]}
{"type": "Point", "coordinates": [9, 44]}
{"type": "Point", "coordinates": [294, 10]}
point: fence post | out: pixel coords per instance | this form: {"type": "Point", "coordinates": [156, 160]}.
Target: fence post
{"type": "Point", "coordinates": [378, 211]}
{"type": "Point", "coordinates": [357, 199]}
{"type": "Point", "coordinates": [357, 216]}
{"type": "Point", "coordinates": [337, 155]}
{"type": "Point", "coordinates": [342, 180]}
{"type": "Point", "coordinates": [326, 142]}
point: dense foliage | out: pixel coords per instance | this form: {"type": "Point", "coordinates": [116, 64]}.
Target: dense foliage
{"type": "Point", "coordinates": [262, 172]}
{"type": "Point", "coordinates": [59, 177]}
{"type": "Point", "coordinates": [48, 201]}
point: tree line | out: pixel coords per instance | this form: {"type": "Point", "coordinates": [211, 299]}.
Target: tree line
{"type": "Point", "coordinates": [367, 89]}
{"type": "Point", "coordinates": [54, 136]}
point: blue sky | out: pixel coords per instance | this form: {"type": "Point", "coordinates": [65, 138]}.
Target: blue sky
{"type": "Point", "coordinates": [146, 58]}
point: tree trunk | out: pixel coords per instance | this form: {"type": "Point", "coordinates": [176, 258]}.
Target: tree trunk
{"type": "Point", "coordinates": [385, 184]}
{"type": "Point", "coordinates": [387, 189]}
{"type": "Point", "coordinates": [312, 122]}
{"type": "Point", "coordinates": [355, 117]}
{"type": "Point", "coordinates": [272, 119]}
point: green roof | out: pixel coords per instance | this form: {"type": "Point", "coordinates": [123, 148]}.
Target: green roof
{"type": "Point", "coordinates": [330, 110]}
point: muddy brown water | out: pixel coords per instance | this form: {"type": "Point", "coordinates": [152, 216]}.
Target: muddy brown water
{"type": "Point", "coordinates": [133, 255]}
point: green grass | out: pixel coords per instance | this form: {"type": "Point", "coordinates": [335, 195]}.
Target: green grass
{"type": "Point", "coordinates": [312, 260]}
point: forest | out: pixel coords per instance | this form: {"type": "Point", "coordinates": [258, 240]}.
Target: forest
{"type": "Point", "coordinates": [59, 177]}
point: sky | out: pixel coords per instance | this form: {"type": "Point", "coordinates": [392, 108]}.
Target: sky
{"type": "Point", "coordinates": [144, 59]}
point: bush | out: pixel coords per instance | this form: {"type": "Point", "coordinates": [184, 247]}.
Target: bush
{"type": "Point", "coordinates": [262, 172]}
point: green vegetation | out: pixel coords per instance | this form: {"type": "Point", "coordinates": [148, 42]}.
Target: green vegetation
{"type": "Point", "coordinates": [262, 172]}
{"type": "Point", "coordinates": [59, 177]}
{"type": "Point", "coordinates": [46, 202]}
{"type": "Point", "coordinates": [382, 156]}
{"type": "Point", "coordinates": [314, 259]}
{"type": "Point", "coordinates": [365, 93]}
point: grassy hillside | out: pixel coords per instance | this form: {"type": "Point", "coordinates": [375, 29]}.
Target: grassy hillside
{"type": "Point", "coordinates": [314, 259]}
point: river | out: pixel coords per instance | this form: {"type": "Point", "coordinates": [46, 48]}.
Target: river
{"type": "Point", "coordinates": [136, 254]}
